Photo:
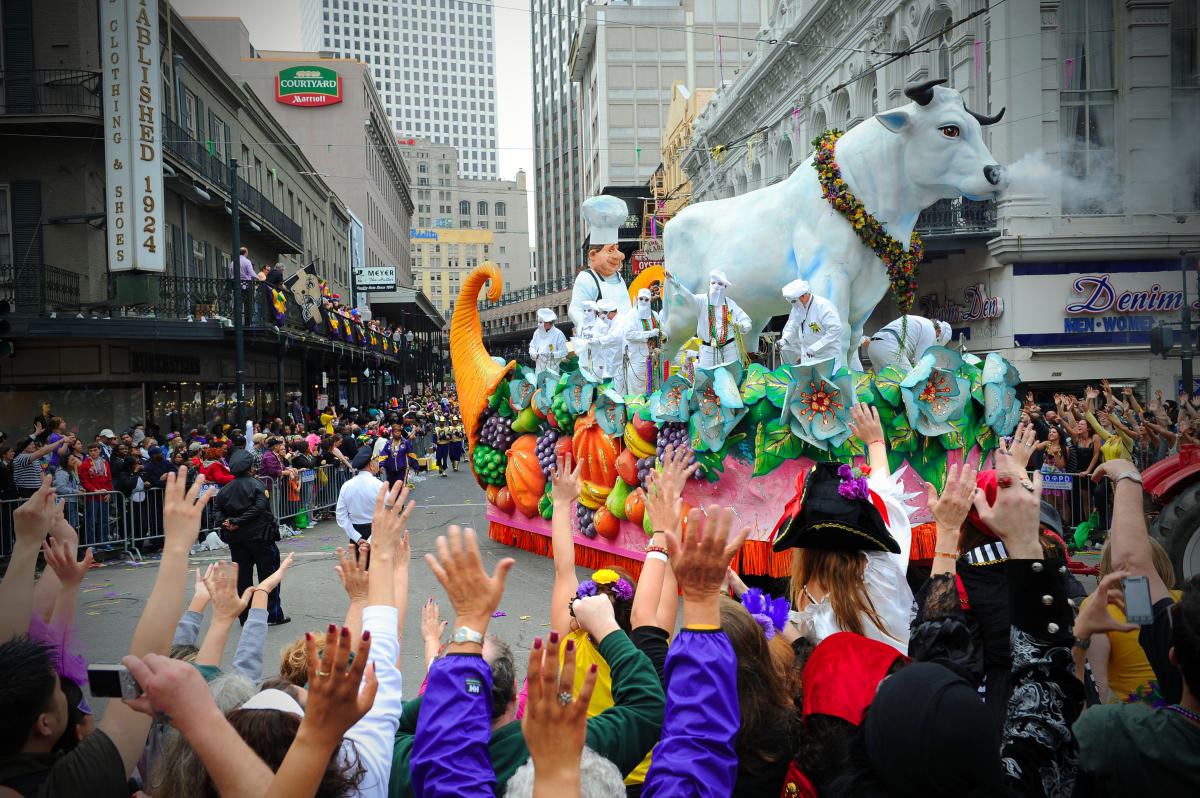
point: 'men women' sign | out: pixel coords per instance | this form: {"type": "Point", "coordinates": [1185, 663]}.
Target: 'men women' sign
{"type": "Point", "coordinates": [308, 85]}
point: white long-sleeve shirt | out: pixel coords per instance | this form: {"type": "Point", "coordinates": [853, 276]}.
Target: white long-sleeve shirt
{"type": "Point", "coordinates": [921, 334]}
{"type": "Point", "coordinates": [611, 288]}
{"type": "Point", "coordinates": [547, 348]}
{"type": "Point", "coordinates": [356, 503]}
{"type": "Point", "coordinates": [812, 333]}
{"type": "Point", "coordinates": [374, 735]}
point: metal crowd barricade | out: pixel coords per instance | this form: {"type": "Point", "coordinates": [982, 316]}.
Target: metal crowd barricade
{"type": "Point", "coordinates": [1076, 497]}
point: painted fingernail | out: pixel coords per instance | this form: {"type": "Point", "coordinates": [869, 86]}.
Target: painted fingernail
{"type": "Point", "coordinates": [345, 631]}
{"type": "Point", "coordinates": [570, 645]}
{"type": "Point", "coordinates": [332, 628]}
{"type": "Point", "coordinates": [308, 636]}
{"type": "Point", "coordinates": [553, 638]}
{"type": "Point", "coordinates": [366, 634]}
{"type": "Point", "coordinates": [592, 668]}
{"type": "Point", "coordinates": [537, 643]}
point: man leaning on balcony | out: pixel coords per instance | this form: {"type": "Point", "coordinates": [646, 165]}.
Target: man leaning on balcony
{"type": "Point", "coordinates": [249, 278]}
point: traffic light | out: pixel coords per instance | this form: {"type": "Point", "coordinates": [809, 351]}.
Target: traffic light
{"type": "Point", "coordinates": [1162, 339]}
{"type": "Point", "coordinates": [6, 346]}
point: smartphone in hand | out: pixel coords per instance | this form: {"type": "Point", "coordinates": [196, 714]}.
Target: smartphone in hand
{"type": "Point", "coordinates": [112, 681]}
{"type": "Point", "coordinates": [1138, 607]}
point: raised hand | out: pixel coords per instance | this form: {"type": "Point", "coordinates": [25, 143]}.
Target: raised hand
{"type": "Point", "coordinates": [222, 586]}
{"type": "Point", "coordinates": [564, 480]}
{"type": "Point", "coordinates": [595, 615]}
{"type": "Point", "coordinates": [554, 731]}
{"type": "Point", "coordinates": [34, 519]}
{"type": "Point", "coordinates": [1023, 442]}
{"type": "Point", "coordinates": [173, 691]}
{"type": "Point", "coordinates": [353, 573]}
{"type": "Point", "coordinates": [702, 558]}
{"type": "Point", "coordinates": [664, 489]}
{"type": "Point", "coordinates": [60, 557]}
{"type": "Point", "coordinates": [335, 702]}
{"type": "Point", "coordinates": [182, 510]}
{"type": "Point", "coordinates": [1094, 618]}
{"type": "Point", "coordinates": [432, 628]}
{"type": "Point", "coordinates": [200, 592]}
{"type": "Point", "coordinates": [457, 565]}
{"type": "Point", "coordinates": [865, 423]}
{"type": "Point", "coordinates": [1015, 515]}
{"type": "Point", "coordinates": [387, 523]}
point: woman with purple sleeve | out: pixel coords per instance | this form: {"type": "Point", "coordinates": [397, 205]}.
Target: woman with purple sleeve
{"type": "Point", "coordinates": [450, 748]}
{"type": "Point", "coordinates": [695, 756]}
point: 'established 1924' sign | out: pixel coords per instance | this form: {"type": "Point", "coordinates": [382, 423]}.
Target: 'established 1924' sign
{"type": "Point", "coordinates": [375, 278]}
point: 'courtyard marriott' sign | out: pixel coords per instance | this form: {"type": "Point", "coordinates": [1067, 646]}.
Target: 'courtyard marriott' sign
{"type": "Point", "coordinates": [308, 85]}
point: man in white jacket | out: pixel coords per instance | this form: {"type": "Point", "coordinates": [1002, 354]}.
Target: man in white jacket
{"type": "Point", "coordinates": [549, 345]}
{"type": "Point", "coordinates": [606, 345]}
{"type": "Point", "coordinates": [885, 350]}
{"type": "Point", "coordinates": [813, 328]}
{"type": "Point", "coordinates": [643, 335]}
{"type": "Point", "coordinates": [718, 320]}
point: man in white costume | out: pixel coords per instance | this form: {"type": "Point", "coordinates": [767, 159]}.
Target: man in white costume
{"type": "Point", "coordinates": [606, 345]}
{"type": "Point", "coordinates": [549, 345]}
{"type": "Point", "coordinates": [884, 346]}
{"type": "Point", "coordinates": [813, 327]}
{"type": "Point", "coordinates": [601, 279]}
{"type": "Point", "coordinates": [718, 320]}
{"type": "Point", "coordinates": [643, 335]}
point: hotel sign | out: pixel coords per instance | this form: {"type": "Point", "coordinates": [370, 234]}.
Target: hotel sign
{"type": "Point", "coordinates": [308, 85]}
{"type": "Point", "coordinates": [132, 136]}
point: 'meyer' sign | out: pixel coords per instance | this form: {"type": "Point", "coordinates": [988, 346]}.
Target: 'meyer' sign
{"type": "Point", "coordinates": [308, 85]}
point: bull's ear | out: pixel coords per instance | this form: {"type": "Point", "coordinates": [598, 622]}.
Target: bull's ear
{"type": "Point", "coordinates": [894, 120]}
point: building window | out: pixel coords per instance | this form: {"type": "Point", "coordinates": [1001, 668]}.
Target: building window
{"type": "Point", "coordinates": [6, 256]}
{"type": "Point", "coordinates": [500, 209]}
{"type": "Point", "coordinates": [1086, 100]}
{"type": "Point", "coordinates": [481, 208]}
{"type": "Point", "coordinates": [464, 208]}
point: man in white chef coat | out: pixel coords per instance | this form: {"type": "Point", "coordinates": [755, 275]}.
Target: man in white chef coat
{"type": "Point", "coordinates": [549, 345]}
{"type": "Point", "coordinates": [718, 320]}
{"type": "Point", "coordinates": [813, 329]}
{"type": "Point", "coordinates": [643, 335]}
{"type": "Point", "coordinates": [884, 347]}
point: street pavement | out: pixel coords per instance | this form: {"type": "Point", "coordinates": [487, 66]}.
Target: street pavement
{"type": "Point", "coordinates": [114, 594]}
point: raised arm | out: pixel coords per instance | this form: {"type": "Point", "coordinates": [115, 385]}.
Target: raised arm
{"type": "Point", "coordinates": [866, 426]}
{"type": "Point", "coordinates": [181, 523]}
{"type": "Point", "coordinates": [227, 606]}
{"type": "Point", "coordinates": [1128, 536]}
{"type": "Point", "coordinates": [564, 492]}
{"type": "Point", "coordinates": [32, 521]}
{"type": "Point", "coordinates": [248, 656]}
{"type": "Point", "coordinates": [653, 605]}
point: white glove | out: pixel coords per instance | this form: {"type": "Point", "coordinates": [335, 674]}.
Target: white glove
{"type": "Point", "coordinates": [745, 327]}
{"type": "Point", "coordinates": [655, 333]}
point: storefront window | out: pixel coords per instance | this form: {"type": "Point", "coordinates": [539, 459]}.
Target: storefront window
{"type": "Point", "coordinates": [86, 409]}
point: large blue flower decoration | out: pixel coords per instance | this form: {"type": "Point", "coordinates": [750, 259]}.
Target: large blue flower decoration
{"type": "Point", "coordinates": [816, 405]}
{"type": "Point", "coordinates": [716, 404]}
{"type": "Point", "coordinates": [934, 392]}
{"type": "Point", "coordinates": [610, 412]}
{"type": "Point", "coordinates": [547, 384]}
{"type": "Point", "coordinates": [670, 402]}
{"type": "Point", "coordinates": [521, 388]}
{"type": "Point", "coordinates": [1001, 409]}
{"type": "Point", "coordinates": [579, 392]}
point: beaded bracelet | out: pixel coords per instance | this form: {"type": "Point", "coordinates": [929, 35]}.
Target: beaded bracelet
{"type": "Point", "coordinates": [877, 440]}
{"type": "Point", "coordinates": [947, 554]}
{"type": "Point", "coordinates": [654, 548]}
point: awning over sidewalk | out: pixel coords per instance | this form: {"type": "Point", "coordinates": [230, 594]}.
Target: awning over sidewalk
{"type": "Point", "coordinates": [409, 307]}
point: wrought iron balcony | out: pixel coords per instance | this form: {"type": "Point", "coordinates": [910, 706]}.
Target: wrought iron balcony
{"type": "Point", "coordinates": [532, 292]}
{"type": "Point", "coordinates": [958, 217]}
{"type": "Point", "coordinates": [49, 91]}
{"type": "Point", "coordinates": [195, 154]}
{"type": "Point", "coordinates": [38, 288]}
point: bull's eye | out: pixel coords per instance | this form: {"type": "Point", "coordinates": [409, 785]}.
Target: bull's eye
{"type": "Point", "coordinates": [949, 131]}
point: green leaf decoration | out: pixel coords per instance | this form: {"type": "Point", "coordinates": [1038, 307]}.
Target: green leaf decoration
{"type": "Point", "coordinates": [900, 436]}
{"type": "Point", "coordinates": [964, 429]}
{"type": "Point", "coordinates": [864, 387]}
{"type": "Point", "coordinates": [698, 444]}
{"type": "Point", "coordinates": [637, 405]}
{"type": "Point", "coordinates": [776, 385]}
{"type": "Point", "coordinates": [887, 384]}
{"type": "Point", "coordinates": [754, 386]}
{"type": "Point", "coordinates": [505, 409]}
{"type": "Point", "coordinates": [929, 460]}
{"type": "Point", "coordinates": [760, 411]}
{"type": "Point", "coordinates": [779, 440]}
{"type": "Point", "coordinates": [985, 436]}
{"type": "Point", "coordinates": [975, 377]}
{"type": "Point", "coordinates": [851, 448]}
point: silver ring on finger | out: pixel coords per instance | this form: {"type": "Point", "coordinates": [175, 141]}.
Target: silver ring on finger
{"type": "Point", "coordinates": [387, 506]}
{"type": "Point", "coordinates": [1027, 485]}
{"type": "Point", "coordinates": [564, 698]}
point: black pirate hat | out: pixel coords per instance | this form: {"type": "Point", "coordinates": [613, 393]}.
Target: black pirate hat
{"type": "Point", "coordinates": [820, 516]}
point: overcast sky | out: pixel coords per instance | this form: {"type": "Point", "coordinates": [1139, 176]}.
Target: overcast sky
{"type": "Point", "coordinates": [275, 25]}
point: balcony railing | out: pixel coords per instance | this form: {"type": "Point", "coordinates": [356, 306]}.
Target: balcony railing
{"type": "Point", "coordinates": [532, 292]}
{"type": "Point", "coordinates": [38, 288]}
{"type": "Point", "coordinates": [195, 153]}
{"type": "Point", "coordinates": [957, 216]}
{"type": "Point", "coordinates": [49, 91]}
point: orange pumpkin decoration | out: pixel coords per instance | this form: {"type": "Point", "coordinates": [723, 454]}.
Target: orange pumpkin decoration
{"type": "Point", "coordinates": [627, 467]}
{"type": "Point", "coordinates": [524, 478]}
{"type": "Point", "coordinates": [596, 450]}
{"type": "Point", "coordinates": [562, 446]}
{"type": "Point", "coordinates": [491, 493]}
{"type": "Point", "coordinates": [635, 506]}
{"type": "Point", "coordinates": [607, 525]}
{"type": "Point", "coordinates": [504, 500]}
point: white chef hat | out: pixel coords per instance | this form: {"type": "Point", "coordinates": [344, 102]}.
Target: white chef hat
{"type": "Point", "coordinates": [274, 699]}
{"type": "Point", "coordinates": [546, 314]}
{"type": "Point", "coordinates": [606, 306]}
{"type": "Point", "coordinates": [604, 215]}
{"type": "Point", "coordinates": [796, 289]}
{"type": "Point", "coordinates": [943, 332]}
{"type": "Point", "coordinates": [644, 294]}
{"type": "Point", "coordinates": [718, 276]}
{"type": "Point", "coordinates": [590, 305]}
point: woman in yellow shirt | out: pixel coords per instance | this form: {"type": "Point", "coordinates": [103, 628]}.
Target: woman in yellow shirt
{"type": "Point", "coordinates": [1119, 665]}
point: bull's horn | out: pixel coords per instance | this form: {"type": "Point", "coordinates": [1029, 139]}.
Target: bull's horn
{"type": "Point", "coordinates": [922, 93]}
{"type": "Point", "coordinates": [986, 120]}
{"type": "Point", "coordinates": [475, 373]}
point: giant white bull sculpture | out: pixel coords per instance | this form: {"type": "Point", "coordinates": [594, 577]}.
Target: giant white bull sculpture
{"type": "Point", "coordinates": [897, 163]}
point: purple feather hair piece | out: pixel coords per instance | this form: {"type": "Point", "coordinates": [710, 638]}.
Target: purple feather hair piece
{"type": "Point", "coordinates": [771, 613]}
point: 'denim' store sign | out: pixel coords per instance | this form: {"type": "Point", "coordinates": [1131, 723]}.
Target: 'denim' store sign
{"type": "Point", "coordinates": [308, 85]}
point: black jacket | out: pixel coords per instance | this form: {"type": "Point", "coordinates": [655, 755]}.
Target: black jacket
{"type": "Point", "coordinates": [244, 502]}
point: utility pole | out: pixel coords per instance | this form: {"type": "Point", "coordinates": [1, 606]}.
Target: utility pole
{"type": "Point", "coordinates": [239, 348]}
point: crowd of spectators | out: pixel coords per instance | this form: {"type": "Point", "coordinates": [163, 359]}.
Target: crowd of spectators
{"type": "Point", "coordinates": [109, 485]}
{"type": "Point", "coordinates": [847, 684]}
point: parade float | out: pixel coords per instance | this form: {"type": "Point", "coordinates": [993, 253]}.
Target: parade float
{"type": "Point", "coordinates": [751, 429]}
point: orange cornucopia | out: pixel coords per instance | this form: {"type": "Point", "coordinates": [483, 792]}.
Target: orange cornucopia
{"type": "Point", "coordinates": [476, 375]}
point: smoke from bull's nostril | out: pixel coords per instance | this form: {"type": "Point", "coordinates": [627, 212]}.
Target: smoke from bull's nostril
{"type": "Point", "coordinates": [994, 174]}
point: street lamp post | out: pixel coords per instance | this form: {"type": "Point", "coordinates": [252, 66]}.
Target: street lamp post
{"type": "Point", "coordinates": [239, 351]}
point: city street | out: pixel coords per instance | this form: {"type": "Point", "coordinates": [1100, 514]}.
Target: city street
{"type": "Point", "coordinates": [114, 594]}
